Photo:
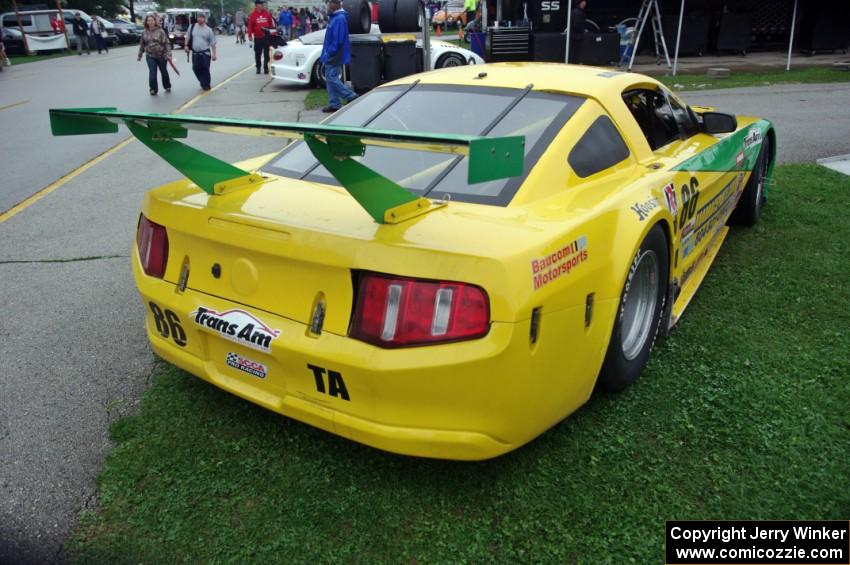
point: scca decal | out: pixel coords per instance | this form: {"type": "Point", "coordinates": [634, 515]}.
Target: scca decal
{"type": "Point", "coordinates": [336, 385]}
{"type": "Point", "coordinates": [671, 199]}
{"type": "Point", "coordinates": [237, 326]}
{"type": "Point", "coordinates": [246, 365]}
{"type": "Point", "coordinates": [168, 324]}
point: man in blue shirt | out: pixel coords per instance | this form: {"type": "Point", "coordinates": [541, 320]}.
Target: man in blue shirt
{"type": "Point", "coordinates": [285, 23]}
{"type": "Point", "coordinates": [336, 52]}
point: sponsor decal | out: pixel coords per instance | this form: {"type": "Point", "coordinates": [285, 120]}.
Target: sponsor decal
{"type": "Point", "coordinates": [710, 216]}
{"type": "Point", "coordinates": [548, 268]}
{"type": "Point", "coordinates": [168, 324]}
{"type": "Point", "coordinates": [246, 365]}
{"type": "Point", "coordinates": [671, 199]}
{"type": "Point", "coordinates": [753, 138]}
{"type": "Point", "coordinates": [642, 209]}
{"type": "Point", "coordinates": [336, 384]}
{"type": "Point", "coordinates": [237, 326]}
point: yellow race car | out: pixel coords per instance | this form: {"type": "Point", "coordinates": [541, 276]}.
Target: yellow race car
{"type": "Point", "coordinates": [441, 284]}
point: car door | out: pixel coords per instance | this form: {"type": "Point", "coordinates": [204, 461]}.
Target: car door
{"type": "Point", "coordinates": [699, 198]}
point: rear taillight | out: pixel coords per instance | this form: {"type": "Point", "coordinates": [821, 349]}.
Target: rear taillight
{"type": "Point", "coordinates": [397, 312]}
{"type": "Point", "coordinates": [278, 55]}
{"type": "Point", "coordinates": [152, 242]}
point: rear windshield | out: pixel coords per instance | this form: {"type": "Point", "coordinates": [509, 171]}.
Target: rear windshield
{"type": "Point", "coordinates": [449, 109]}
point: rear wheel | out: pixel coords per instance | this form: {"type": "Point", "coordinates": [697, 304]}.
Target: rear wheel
{"type": "Point", "coordinates": [752, 200]}
{"type": "Point", "coordinates": [450, 60]}
{"type": "Point", "coordinates": [640, 314]}
{"type": "Point", "coordinates": [317, 75]}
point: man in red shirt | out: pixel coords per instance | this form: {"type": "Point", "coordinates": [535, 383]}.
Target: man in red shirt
{"type": "Point", "coordinates": [260, 18]}
{"type": "Point", "coordinates": [58, 25]}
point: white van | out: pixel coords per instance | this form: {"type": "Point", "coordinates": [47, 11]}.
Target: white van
{"type": "Point", "coordinates": [37, 22]}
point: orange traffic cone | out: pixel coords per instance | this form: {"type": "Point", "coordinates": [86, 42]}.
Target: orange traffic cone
{"type": "Point", "coordinates": [439, 31]}
{"type": "Point", "coordinates": [459, 34]}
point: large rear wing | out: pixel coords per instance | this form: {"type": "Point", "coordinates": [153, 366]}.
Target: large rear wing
{"type": "Point", "coordinates": [489, 158]}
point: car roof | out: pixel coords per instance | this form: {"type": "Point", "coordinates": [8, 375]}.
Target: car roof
{"type": "Point", "coordinates": [590, 82]}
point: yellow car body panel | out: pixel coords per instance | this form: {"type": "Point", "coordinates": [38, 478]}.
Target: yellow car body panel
{"type": "Point", "coordinates": [268, 253]}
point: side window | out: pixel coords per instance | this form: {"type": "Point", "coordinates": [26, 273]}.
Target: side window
{"type": "Point", "coordinates": [684, 116]}
{"type": "Point", "coordinates": [12, 21]}
{"type": "Point", "coordinates": [600, 147]}
{"type": "Point", "coordinates": [654, 115]}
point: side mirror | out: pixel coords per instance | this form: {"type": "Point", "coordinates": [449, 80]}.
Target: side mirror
{"type": "Point", "coordinates": [718, 122]}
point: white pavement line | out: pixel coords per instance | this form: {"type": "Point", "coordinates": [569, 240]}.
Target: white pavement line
{"type": "Point", "coordinates": [23, 205]}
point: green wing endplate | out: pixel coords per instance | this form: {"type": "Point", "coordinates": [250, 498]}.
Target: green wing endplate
{"type": "Point", "coordinates": [489, 158]}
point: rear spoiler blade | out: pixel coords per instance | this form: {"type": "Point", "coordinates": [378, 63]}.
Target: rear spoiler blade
{"type": "Point", "coordinates": [489, 158]}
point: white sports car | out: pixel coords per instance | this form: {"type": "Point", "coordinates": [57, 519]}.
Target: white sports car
{"type": "Point", "coordinates": [297, 62]}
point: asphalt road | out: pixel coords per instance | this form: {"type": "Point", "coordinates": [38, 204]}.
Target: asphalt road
{"type": "Point", "coordinates": [75, 355]}
{"type": "Point", "coordinates": [72, 342]}
{"type": "Point", "coordinates": [812, 120]}
{"type": "Point", "coordinates": [113, 79]}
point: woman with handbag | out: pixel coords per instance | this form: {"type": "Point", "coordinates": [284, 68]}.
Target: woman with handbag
{"type": "Point", "coordinates": [99, 34]}
{"type": "Point", "coordinates": [155, 45]}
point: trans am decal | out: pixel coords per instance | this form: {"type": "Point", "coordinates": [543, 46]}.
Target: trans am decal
{"type": "Point", "coordinates": [237, 326]}
{"type": "Point", "coordinates": [753, 138]}
{"type": "Point", "coordinates": [246, 365]}
{"type": "Point", "coordinates": [546, 269]}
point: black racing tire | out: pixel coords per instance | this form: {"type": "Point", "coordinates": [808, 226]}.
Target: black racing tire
{"type": "Point", "coordinates": [450, 60]}
{"type": "Point", "coordinates": [640, 314]}
{"type": "Point", "coordinates": [359, 15]}
{"type": "Point", "coordinates": [317, 75]}
{"type": "Point", "coordinates": [386, 16]}
{"type": "Point", "coordinates": [752, 200]}
{"type": "Point", "coordinates": [406, 15]}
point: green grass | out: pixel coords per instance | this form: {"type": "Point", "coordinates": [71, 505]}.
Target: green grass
{"type": "Point", "coordinates": [21, 59]}
{"type": "Point", "coordinates": [742, 413]}
{"type": "Point", "coordinates": [316, 98]}
{"type": "Point", "coordinates": [738, 79]}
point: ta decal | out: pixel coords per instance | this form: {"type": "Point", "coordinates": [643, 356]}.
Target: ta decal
{"type": "Point", "coordinates": [336, 386]}
{"type": "Point", "coordinates": [237, 326]}
{"type": "Point", "coordinates": [168, 324]}
{"type": "Point", "coordinates": [246, 365]}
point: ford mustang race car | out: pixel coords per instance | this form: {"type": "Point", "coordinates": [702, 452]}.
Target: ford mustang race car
{"type": "Point", "coordinates": [442, 284]}
{"type": "Point", "coordinates": [297, 62]}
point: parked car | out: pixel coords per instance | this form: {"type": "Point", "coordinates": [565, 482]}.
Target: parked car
{"type": "Point", "coordinates": [449, 14]}
{"type": "Point", "coordinates": [37, 22]}
{"type": "Point", "coordinates": [126, 32]}
{"type": "Point", "coordinates": [177, 22]}
{"type": "Point", "coordinates": [297, 62]}
{"type": "Point", "coordinates": [451, 264]}
{"type": "Point", "coordinates": [13, 41]}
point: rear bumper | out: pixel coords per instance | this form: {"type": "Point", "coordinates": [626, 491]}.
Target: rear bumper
{"type": "Point", "coordinates": [288, 74]}
{"type": "Point", "coordinates": [464, 401]}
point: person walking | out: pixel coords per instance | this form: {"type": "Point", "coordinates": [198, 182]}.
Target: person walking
{"type": "Point", "coordinates": [98, 33]}
{"type": "Point", "coordinates": [285, 23]}
{"type": "Point", "coordinates": [200, 40]}
{"type": "Point", "coordinates": [259, 19]}
{"type": "Point", "coordinates": [302, 22]}
{"type": "Point", "coordinates": [156, 47]}
{"type": "Point", "coordinates": [81, 33]}
{"type": "Point", "coordinates": [239, 24]}
{"type": "Point", "coordinates": [336, 52]}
